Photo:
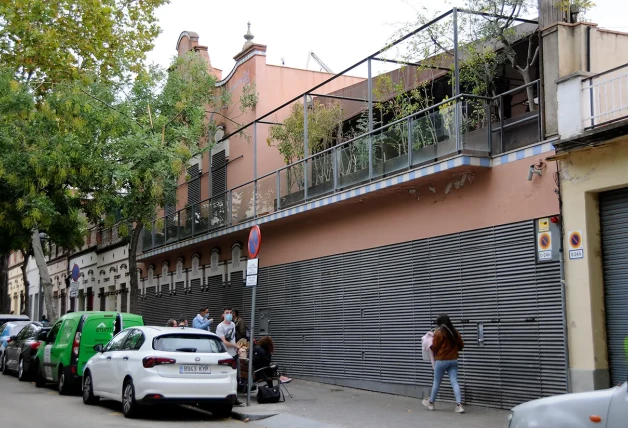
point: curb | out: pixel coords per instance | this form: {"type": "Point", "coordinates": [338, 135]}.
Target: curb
{"type": "Point", "coordinates": [243, 416]}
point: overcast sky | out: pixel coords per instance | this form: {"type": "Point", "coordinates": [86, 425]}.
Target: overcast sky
{"type": "Point", "coordinates": [340, 32]}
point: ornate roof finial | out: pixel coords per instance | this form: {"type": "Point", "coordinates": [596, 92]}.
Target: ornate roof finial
{"type": "Point", "coordinates": [248, 36]}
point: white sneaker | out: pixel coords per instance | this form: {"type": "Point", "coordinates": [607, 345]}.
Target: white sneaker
{"type": "Point", "coordinates": [459, 409]}
{"type": "Point", "coordinates": [426, 403]}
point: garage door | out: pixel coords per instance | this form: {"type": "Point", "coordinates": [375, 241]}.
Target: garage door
{"type": "Point", "coordinates": [614, 222]}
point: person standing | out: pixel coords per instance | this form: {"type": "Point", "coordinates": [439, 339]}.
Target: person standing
{"type": "Point", "coordinates": [226, 330]}
{"type": "Point", "coordinates": [240, 326]}
{"type": "Point", "coordinates": [183, 321]}
{"type": "Point", "coordinates": [200, 321]}
{"type": "Point", "coordinates": [446, 346]}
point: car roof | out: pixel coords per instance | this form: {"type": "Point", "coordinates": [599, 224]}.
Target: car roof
{"type": "Point", "coordinates": [13, 317]}
{"type": "Point", "coordinates": [154, 330]}
{"type": "Point", "coordinates": [79, 314]}
{"type": "Point", "coordinates": [17, 323]}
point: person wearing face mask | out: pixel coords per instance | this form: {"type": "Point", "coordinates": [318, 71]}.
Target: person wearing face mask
{"type": "Point", "coordinates": [226, 330]}
{"type": "Point", "coordinates": [200, 321]}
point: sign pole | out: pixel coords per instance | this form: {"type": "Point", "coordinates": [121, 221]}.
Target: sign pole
{"type": "Point", "coordinates": [250, 377]}
{"type": "Point", "coordinates": [252, 267]}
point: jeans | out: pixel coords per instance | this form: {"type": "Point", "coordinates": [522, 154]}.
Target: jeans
{"type": "Point", "coordinates": [450, 367]}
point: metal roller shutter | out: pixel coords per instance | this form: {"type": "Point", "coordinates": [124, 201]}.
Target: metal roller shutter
{"type": "Point", "coordinates": [357, 318]}
{"type": "Point", "coordinates": [194, 185]}
{"type": "Point", "coordinates": [614, 228]}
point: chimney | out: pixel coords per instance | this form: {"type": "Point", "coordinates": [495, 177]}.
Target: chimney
{"type": "Point", "coordinates": [188, 41]}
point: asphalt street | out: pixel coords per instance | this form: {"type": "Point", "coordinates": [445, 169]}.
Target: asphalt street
{"type": "Point", "coordinates": [22, 405]}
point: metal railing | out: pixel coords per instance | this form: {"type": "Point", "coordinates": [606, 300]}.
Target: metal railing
{"type": "Point", "coordinates": [605, 97]}
{"type": "Point", "coordinates": [464, 123]}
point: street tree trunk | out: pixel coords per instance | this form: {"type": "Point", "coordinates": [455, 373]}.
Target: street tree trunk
{"type": "Point", "coordinates": [4, 284]}
{"type": "Point", "coordinates": [24, 267]}
{"type": "Point", "coordinates": [43, 274]}
{"type": "Point", "coordinates": [134, 286]}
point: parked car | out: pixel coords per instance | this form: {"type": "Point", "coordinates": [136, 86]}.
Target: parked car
{"type": "Point", "coordinates": [12, 317]}
{"type": "Point", "coordinates": [8, 329]}
{"type": "Point", "coordinates": [607, 408]}
{"type": "Point", "coordinates": [70, 344]}
{"type": "Point", "coordinates": [154, 365]}
{"type": "Point", "coordinates": [19, 355]}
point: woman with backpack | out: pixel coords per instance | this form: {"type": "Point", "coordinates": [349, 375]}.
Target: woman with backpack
{"type": "Point", "coordinates": [446, 345]}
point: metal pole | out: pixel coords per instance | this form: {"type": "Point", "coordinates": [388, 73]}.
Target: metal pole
{"type": "Point", "coordinates": [334, 159]}
{"type": "Point", "coordinates": [250, 377]}
{"type": "Point", "coordinates": [501, 124]}
{"type": "Point", "coordinates": [370, 107]}
{"type": "Point", "coordinates": [255, 170]}
{"type": "Point", "coordinates": [456, 79]}
{"type": "Point", "coordinates": [305, 147]}
{"type": "Point", "coordinates": [489, 127]}
{"type": "Point", "coordinates": [410, 143]}
{"type": "Point", "coordinates": [278, 190]}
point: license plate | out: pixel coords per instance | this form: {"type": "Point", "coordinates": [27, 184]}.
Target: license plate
{"type": "Point", "coordinates": [194, 368]}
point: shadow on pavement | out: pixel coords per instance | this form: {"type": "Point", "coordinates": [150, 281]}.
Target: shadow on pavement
{"type": "Point", "coordinates": [165, 412]}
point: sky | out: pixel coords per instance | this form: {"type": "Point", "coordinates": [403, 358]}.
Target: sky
{"type": "Point", "coordinates": [340, 32]}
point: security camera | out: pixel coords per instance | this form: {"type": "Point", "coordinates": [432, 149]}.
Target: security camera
{"type": "Point", "coordinates": [534, 170]}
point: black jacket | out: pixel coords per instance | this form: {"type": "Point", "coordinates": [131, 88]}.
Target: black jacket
{"type": "Point", "coordinates": [261, 358]}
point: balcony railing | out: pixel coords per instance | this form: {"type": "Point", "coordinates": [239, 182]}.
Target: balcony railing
{"type": "Point", "coordinates": [605, 97]}
{"type": "Point", "coordinates": [462, 124]}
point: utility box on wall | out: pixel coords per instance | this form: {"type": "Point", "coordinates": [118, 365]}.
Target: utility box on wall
{"type": "Point", "coordinates": [548, 239]}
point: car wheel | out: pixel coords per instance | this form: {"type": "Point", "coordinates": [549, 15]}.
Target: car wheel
{"type": "Point", "coordinates": [5, 369]}
{"type": "Point", "coordinates": [21, 374]}
{"type": "Point", "coordinates": [40, 380]}
{"type": "Point", "coordinates": [129, 405]}
{"type": "Point", "coordinates": [222, 411]}
{"type": "Point", "coordinates": [62, 383]}
{"type": "Point", "coordinates": [88, 390]}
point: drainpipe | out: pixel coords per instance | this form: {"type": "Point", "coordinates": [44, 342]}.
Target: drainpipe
{"type": "Point", "coordinates": [589, 48]}
{"type": "Point", "coordinates": [563, 285]}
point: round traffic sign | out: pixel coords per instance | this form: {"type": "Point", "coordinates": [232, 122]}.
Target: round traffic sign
{"type": "Point", "coordinates": [255, 241]}
{"type": "Point", "coordinates": [544, 241]}
{"type": "Point", "coordinates": [575, 240]}
{"type": "Point", "coordinates": [75, 272]}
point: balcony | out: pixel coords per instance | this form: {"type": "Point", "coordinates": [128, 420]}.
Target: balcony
{"type": "Point", "coordinates": [418, 140]}
{"type": "Point", "coordinates": [592, 109]}
{"type": "Point", "coordinates": [450, 128]}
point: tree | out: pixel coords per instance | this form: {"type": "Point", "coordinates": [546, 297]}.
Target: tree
{"type": "Point", "coordinates": [153, 126]}
{"type": "Point", "coordinates": [485, 41]}
{"type": "Point", "coordinates": [47, 158]}
{"type": "Point", "coordinates": [62, 40]}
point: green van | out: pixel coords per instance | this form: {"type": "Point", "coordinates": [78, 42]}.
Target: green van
{"type": "Point", "coordinates": [70, 344]}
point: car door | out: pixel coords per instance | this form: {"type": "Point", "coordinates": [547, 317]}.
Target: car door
{"type": "Point", "coordinates": [107, 370]}
{"type": "Point", "coordinates": [15, 347]}
{"type": "Point", "coordinates": [618, 409]}
{"type": "Point", "coordinates": [126, 360]}
{"type": "Point", "coordinates": [49, 362]}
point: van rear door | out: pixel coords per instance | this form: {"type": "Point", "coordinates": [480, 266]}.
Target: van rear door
{"type": "Point", "coordinates": [97, 329]}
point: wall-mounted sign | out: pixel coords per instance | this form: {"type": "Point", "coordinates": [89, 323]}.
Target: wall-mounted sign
{"type": "Point", "coordinates": [544, 224]}
{"type": "Point", "coordinates": [574, 241]}
{"type": "Point", "coordinates": [544, 242]}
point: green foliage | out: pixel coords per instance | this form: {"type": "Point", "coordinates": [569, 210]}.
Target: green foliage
{"type": "Point", "coordinates": [62, 40]}
{"type": "Point", "coordinates": [249, 97]}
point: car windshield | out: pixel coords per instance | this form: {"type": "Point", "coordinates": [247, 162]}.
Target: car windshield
{"type": "Point", "coordinates": [199, 343]}
{"type": "Point", "coordinates": [16, 329]}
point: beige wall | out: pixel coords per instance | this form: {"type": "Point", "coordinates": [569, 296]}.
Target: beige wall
{"type": "Point", "coordinates": [584, 174]}
{"type": "Point", "coordinates": [565, 53]}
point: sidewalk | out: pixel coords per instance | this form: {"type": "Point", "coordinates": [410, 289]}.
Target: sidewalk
{"type": "Point", "coordinates": [317, 405]}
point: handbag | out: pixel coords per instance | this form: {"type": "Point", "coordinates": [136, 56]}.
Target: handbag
{"type": "Point", "coordinates": [266, 394]}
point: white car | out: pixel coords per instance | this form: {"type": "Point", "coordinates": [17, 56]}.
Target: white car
{"type": "Point", "coordinates": [607, 408]}
{"type": "Point", "coordinates": [153, 365]}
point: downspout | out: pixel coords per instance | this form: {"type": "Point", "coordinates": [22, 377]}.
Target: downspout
{"type": "Point", "coordinates": [563, 285]}
{"type": "Point", "coordinates": [588, 48]}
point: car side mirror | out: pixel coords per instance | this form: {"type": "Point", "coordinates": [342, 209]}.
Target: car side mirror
{"type": "Point", "coordinates": [98, 348]}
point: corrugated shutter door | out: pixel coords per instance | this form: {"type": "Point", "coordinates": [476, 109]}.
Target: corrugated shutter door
{"type": "Point", "coordinates": [614, 227]}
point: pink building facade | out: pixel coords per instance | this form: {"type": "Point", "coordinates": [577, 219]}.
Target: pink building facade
{"type": "Point", "coordinates": [353, 275]}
